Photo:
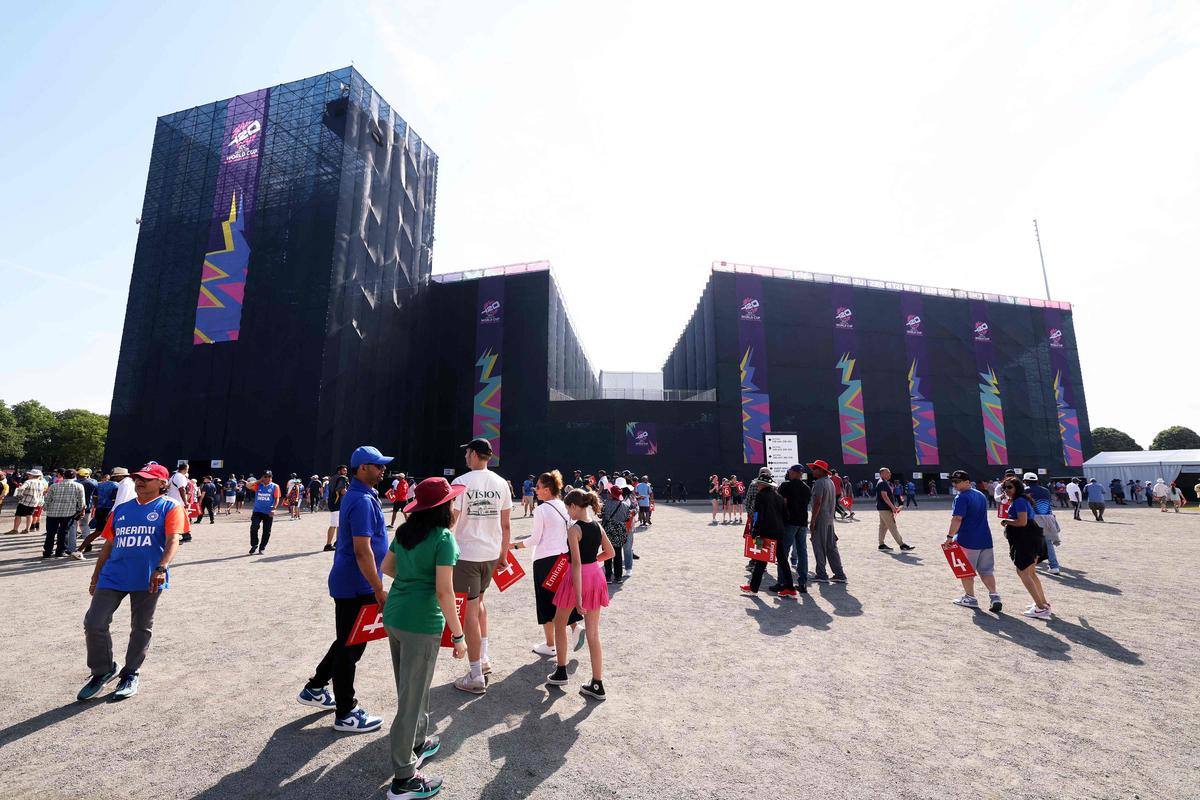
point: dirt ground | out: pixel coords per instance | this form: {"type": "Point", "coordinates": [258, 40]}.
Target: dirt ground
{"type": "Point", "coordinates": [877, 689]}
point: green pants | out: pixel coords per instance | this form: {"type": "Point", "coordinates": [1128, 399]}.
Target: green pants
{"type": "Point", "coordinates": [413, 658]}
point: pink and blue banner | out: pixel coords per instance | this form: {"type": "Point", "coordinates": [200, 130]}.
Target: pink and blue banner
{"type": "Point", "coordinates": [924, 422]}
{"type": "Point", "coordinates": [994, 440]}
{"type": "Point", "coordinates": [1064, 397]}
{"type": "Point", "coordinates": [489, 363]}
{"type": "Point", "coordinates": [641, 439]}
{"type": "Point", "coordinates": [227, 260]}
{"type": "Point", "coordinates": [852, 420]}
{"type": "Point", "coordinates": [752, 354]}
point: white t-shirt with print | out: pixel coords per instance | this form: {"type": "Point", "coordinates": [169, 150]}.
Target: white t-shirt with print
{"type": "Point", "coordinates": [175, 485]}
{"type": "Point", "coordinates": [478, 530]}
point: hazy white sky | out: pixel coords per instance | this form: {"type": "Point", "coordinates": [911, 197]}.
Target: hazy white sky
{"type": "Point", "coordinates": [643, 140]}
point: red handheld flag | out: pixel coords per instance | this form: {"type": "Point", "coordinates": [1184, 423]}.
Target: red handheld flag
{"type": "Point", "coordinates": [760, 552]}
{"type": "Point", "coordinates": [508, 574]}
{"type": "Point", "coordinates": [368, 626]}
{"type": "Point", "coordinates": [460, 605]}
{"type": "Point", "coordinates": [958, 560]}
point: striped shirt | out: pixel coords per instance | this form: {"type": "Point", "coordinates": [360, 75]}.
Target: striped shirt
{"type": "Point", "coordinates": [64, 499]}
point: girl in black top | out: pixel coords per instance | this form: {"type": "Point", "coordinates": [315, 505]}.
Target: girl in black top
{"type": "Point", "coordinates": [582, 588]}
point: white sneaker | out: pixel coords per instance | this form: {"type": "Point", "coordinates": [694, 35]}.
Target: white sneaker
{"type": "Point", "coordinates": [1038, 613]}
{"type": "Point", "coordinates": [75, 554]}
{"type": "Point", "coordinates": [357, 721]}
{"type": "Point", "coordinates": [1053, 570]}
{"type": "Point", "coordinates": [543, 649]}
{"type": "Point", "coordinates": [966, 601]}
{"type": "Point", "coordinates": [473, 685]}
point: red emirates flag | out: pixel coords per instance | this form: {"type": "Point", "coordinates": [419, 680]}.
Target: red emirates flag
{"type": "Point", "coordinates": [958, 560]}
{"type": "Point", "coordinates": [460, 605]}
{"type": "Point", "coordinates": [763, 550]}
{"type": "Point", "coordinates": [368, 626]}
{"type": "Point", "coordinates": [556, 572]}
{"type": "Point", "coordinates": [505, 576]}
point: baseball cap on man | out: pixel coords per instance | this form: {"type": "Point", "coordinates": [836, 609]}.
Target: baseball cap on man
{"type": "Point", "coordinates": [153, 472]}
{"type": "Point", "coordinates": [368, 455]}
{"type": "Point", "coordinates": [1029, 476]}
{"type": "Point", "coordinates": [819, 464]}
{"type": "Point", "coordinates": [480, 445]}
{"type": "Point", "coordinates": [960, 475]}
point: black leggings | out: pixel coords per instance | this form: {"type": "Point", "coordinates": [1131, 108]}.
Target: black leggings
{"type": "Point", "coordinates": [266, 519]}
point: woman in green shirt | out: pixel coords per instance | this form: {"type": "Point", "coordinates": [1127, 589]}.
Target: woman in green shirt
{"type": "Point", "coordinates": [421, 602]}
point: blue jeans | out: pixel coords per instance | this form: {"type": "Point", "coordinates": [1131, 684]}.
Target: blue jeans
{"type": "Point", "coordinates": [627, 553]}
{"type": "Point", "coordinates": [1051, 556]}
{"type": "Point", "coordinates": [796, 538]}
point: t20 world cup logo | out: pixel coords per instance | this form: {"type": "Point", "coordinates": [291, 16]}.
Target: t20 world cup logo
{"type": "Point", "coordinates": [244, 142]}
{"type": "Point", "coordinates": [912, 325]}
{"type": "Point", "coordinates": [1056, 337]}
{"type": "Point", "coordinates": [750, 309]}
{"type": "Point", "coordinates": [844, 318]}
{"type": "Point", "coordinates": [490, 313]}
{"type": "Point", "coordinates": [981, 332]}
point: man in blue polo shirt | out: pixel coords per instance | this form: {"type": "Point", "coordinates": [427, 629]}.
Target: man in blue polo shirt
{"type": "Point", "coordinates": [354, 581]}
{"type": "Point", "coordinates": [1043, 512]}
{"type": "Point", "coordinates": [969, 524]}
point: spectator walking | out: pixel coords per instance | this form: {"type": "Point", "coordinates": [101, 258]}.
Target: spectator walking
{"type": "Point", "coordinates": [1161, 494]}
{"type": "Point", "coordinates": [106, 498]}
{"type": "Point", "coordinates": [1043, 515]}
{"type": "Point", "coordinates": [1026, 545]}
{"type": "Point", "coordinates": [84, 479]}
{"type": "Point", "coordinates": [338, 487]}
{"type": "Point", "coordinates": [399, 497]}
{"type": "Point", "coordinates": [315, 488]}
{"type": "Point", "coordinates": [824, 539]}
{"type": "Point", "coordinates": [969, 527]}
{"type": "Point", "coordinates": [1176, 498]}
{"type": "Point", "coordinates": [354, 582]}
{"type": "Point", "coordinates": [181, 491]}
{"type": "Point", "coordinates": [64, 502]}
{"type": "Point", "coordinates": [266, 500]}
{"type": "Point", "coordinates": [208, 500]}
{"type": "Point", "coordinates": [769, 514]}
{"type": "Point", "coordinates": [910, 495]}
{"type": "Point", "coordinates": [887, 507]}
{"type": "Point", "coordinates": [1074, 496]}
{"type": "Point", "coordinates": [31, 496]}
{"type": "Point", "coordinates": [1095, 499]}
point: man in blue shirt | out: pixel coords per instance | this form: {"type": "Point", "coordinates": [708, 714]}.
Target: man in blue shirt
{"type": "Point", "coordinates": [354, 582]}
{"type": "Point", "coordinates": [1043, 506]}
{"type": "Point", "coordinates": [105, 498]}
{"type": "Point", "coordinates": [969, 524]}
{"type": "Point", "coordinates": [1095, 499]}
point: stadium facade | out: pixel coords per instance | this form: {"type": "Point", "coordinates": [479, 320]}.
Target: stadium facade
{"type": "Point", "coordinates": [283, 310]}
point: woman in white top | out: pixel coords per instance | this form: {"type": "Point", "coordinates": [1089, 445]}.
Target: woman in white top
{"type": "Point", "coordinates": [549, 541]}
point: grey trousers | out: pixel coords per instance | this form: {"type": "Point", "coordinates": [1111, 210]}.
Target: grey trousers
{"type": "Point", "coordinates": [414, 656]}
{"type": "Point", "coordinates": [824, 545]}
{"type": "Point", "coordinates": [98, 619]}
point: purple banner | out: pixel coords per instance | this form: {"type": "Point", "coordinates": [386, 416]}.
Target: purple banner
{"type": "Point", "coordinates": [994, 440]}
{"type": "Point", "coordinates": [489, 362]}
{"type": "Point", "coordinates": [1064, 396]}
{"type": "Point", "coordinates": [641, 439]}
{"type": "Point", "coordinates": [852, 420]}
{"type": "Point", "coordinates": [752, 353]}
{"type": "Point", "coordinates": [227, 261]}
{"type": "Point", "coordinates": [924, 420]}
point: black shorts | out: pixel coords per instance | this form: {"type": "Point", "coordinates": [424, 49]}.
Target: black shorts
{"type": "Point", "coordinates": [24, 510]}
{"type": "Point", "coordinates": [397, 505]}
{"type": "Point", "coordinates": [1025, 547]}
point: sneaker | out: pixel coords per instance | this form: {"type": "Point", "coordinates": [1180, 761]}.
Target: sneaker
{"type": "Point", "coordinates": [1053, 570]}
{"type": "Point", "coordinates": [96, 684]}
{"type": "Point", "coordinates": [428, 749]}
{"type": "Point", "coordinates": [966, 601]}
{"type": "Point", "coordinates": [907, 547]}
{"type": "Point", "coordinates": [580, 638]}
{"type": "Point", "coordinates": [543, 649]}
{"type": "Point", "coordinates": [357, 721]}
{"type": "Point", "coordinates": [127, 687]}
{"type": "Point", "coordinates": [838, 579]}
{"type": "Point", "coordinates": [996, 605]}
{"type": "Point", "coordinates": [775, 588]}
{"type": "Point", "coordinates": [416, 786]}
{"type": "Point", "coordinates": [802, 590]}
{"type": "Point", "coordinates": [558, 677]}
{"type": "Point", "coordinates": [595, 690]}
{"type": "Point", "coordinates": [745, 589]}
{"type": "Point", "coordinates": [253, 550]}
{"type": "Point", "coordinates": [329, 548]}
{"type": "Point", "coordinates": [787, 592]}
{"type": "Point", "coordinates": [485, 666]}
{"type": "Point", "coordinates": [818, 579]}
{"type": "Point", "coordinates": [1038, 613]}
{"type": "Point", "coordinates": [473, 685]}
{"type": "Point", "coordinates": [636, 557]}
{"type": "Point", "coordinates": [884, 547]}
{"type": "Point", "coordinates": [317, 698]}
{"type": "Point", "coordinates": [75, 554]}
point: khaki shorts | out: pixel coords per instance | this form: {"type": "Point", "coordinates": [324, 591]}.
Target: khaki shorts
{"type": "Point", "coordinates": [473, 577]}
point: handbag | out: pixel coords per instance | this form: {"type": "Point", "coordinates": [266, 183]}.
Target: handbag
{"type": "Point", "coordinates": [614, 530]}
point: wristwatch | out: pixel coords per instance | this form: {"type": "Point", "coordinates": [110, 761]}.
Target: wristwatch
{"type": "Point", "coordinates": [160, 569]}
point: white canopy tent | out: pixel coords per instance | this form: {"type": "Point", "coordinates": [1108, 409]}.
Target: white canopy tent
{"type": "Point", "coordinates": [1141, 465]}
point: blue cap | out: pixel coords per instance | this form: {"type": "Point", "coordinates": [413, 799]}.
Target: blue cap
{"type": "Point", "coordinates": [368, 455]}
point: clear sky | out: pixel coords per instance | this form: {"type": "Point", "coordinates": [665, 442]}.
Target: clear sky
{"type": "Point", "coordinates": [641, 140]}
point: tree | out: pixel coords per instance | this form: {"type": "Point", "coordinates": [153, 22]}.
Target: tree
{"type": "Point", "coordinates": [1112, 440]}
{"type": "Point", "coordinates": [35, 424]}
{"type": "Point", "coordinates": [1176, 437]}
{"type": "Point", "coordinates": [79, 438]}
{"type": "Point", "coordinates": [12, 444]}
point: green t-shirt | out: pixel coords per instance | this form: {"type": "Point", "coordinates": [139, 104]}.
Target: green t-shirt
{"type": "Point", "coordinates": [412, 602]}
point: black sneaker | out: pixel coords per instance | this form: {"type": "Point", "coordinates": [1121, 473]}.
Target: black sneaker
{"type": "Point", "coordinates": [774, 588]}
{"type": "Point", "coordinates": [819, 579]}
{"type": "Point", "coordinates": [636, 557]}
{"type": "Point", "coordinates": [907, 547]}
{"type": "Point", "coordinates": [558, 677]}
{"type": "Point", "coordinates": [187, 537]}
{"type": "Point", "coordinates": [94, 686]}
{"type": "Point", "coordinates": [802, 589]}
{"type": "Point", "coordinates": [595, 690]}
{"type": "Point", "coordinates": [329, 548]}
{"type": "Point", "coordinates": [415, 787]}
{"type": "Point", "coordinates": [838, 579]}
{"type": "Point", "coordinates": [996, 605]}
{"type": "Point", "coordinates": [884, 547]}
{"type": "Point", "coordinates": [253, 550]}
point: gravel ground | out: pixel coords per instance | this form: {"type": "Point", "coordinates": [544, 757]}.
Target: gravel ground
{"type": "Point", "coordinates": [878, 689]}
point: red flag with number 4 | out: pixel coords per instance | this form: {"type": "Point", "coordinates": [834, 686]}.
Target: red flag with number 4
{"type": "Point", "coordinates": [958, 560]}
{"type": "Point", "coordinates": [760, 552]}
{"type": "Point", "coordinates": [505, 576]}
{"type": "Point", "coordinates": [367, 627]}
{"type": "Point", "coordinates": [460, 605]}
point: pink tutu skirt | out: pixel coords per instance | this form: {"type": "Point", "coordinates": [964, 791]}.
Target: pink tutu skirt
{"type": "Point", "coordinates": [595, 588]}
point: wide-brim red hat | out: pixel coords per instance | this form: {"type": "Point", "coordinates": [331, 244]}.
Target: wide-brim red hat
{"type": "Point", "coordinates": [614, 492]}
{"type": "Point", "coordinates": [433, 492]}
{"type": "Point", "coordinates": [819, 464]}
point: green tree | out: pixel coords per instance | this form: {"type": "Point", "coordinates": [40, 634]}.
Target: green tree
{"type": "Point", "coordinates": [36, 425]}
{"type": "Point", "coordinates": [1176, 437]}
{"type": "Point", "coordinates": [12, 444]}
{"type": "Point", "coordinates": [1111, 439]}
{"type": "Point", "coordinates": [79, 438]}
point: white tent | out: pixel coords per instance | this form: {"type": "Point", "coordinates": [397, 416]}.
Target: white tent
{"type": "Point", "coordinates": [1141, 465]}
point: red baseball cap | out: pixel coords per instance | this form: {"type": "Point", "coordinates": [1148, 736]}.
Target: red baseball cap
{"type": "Point", "coordinates": [153, 472]}
{"type": "Point", "coordinates": [433, 492]}
{"type": "Point", "coordinates": [819, 464]}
